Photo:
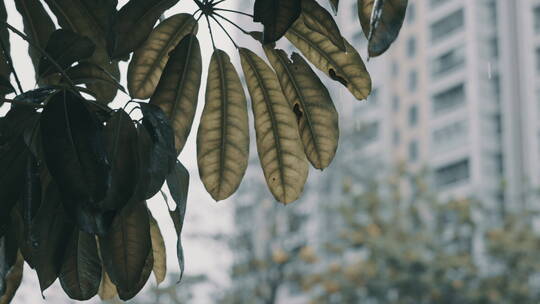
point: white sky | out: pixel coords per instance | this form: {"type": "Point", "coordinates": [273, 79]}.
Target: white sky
{"type": "Point", "coordinates": [204, 216]}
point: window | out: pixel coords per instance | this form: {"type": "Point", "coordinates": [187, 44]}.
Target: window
{"type": "Point", "coordinates": [411, 13]}
{"type": "Point", "coordinates": [369, 132]}
{"type": "Point", "coordinates": [397, 137]}
{"type": "Point", "coordinates": [413, 80]}
{"type": "Point", "coordinates": [447, 26]}
{"type": "Point", "coordinates": [413, 116]}
{"type": "Point", "coordinates": [537, 19]}
{"type": "Point", "coordinates": [413, 150]}
{"type": "Point", "coordinates": [435, 3]}
{"type": "Point", "coordinates": [449, 99]}
{"type": "Point", "coordinates": [395, 103]}
{"type": "Point", "coordinates": [452, 174]}
{"type": "Point", "coordinates": [538, 60]}
{"type": "Point", "coordinates": [411, 47]}
{"type": "Point", "coordinates": [450, 136]}
{"type": "Point", "coordinates": [448, 62]}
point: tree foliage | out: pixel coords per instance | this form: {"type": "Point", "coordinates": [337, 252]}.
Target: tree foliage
{"type": "Point", "coordinates": [77, 173]}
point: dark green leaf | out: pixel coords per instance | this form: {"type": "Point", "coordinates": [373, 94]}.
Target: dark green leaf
{"type": "Point", "coordinates": [5, 86]}
{"type": "Point", "coordinates": [5, 70]}
{"type": "Point", "coordinates": [75, 155]}
{"type": "Point", "coordinates": [81, 271]}
{"type": "Point", "coordinates": [178, 183]}
{"type": "Point", "coordinates": [335, 5]}
{"type": "Point", "coordinates": [163, 155]}
{"type": "Point", "coordinates": [125, 249]}
{"type": "Point", "coordinates": [133, 24]}
{"type": "Point", "coordinates": [91, 73]}
{"type": "Point", "coordinates": [121, 142]}
{"type": "Point", "coordinates": [8, 256]}
{"type": "Point", "coordinates": [65, 47]}
{"type": "Point", "coordinates": [38, 26]}
{"type": "Point", "coordinates": [13, 281]}
{"type": "Point", "coordinates": [277, 16]}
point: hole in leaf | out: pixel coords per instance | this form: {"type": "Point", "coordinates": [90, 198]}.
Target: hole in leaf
{"type": "Point", "coordinates": [337, 78]}
{"type": "Point", "coordinates": [298, 112]}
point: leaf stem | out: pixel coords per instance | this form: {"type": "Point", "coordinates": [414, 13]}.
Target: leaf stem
{"type": "Point", "coordinates": [210, 30]}
{"type": "Point", "coordinates": [233, 11]}
{"type": "Point", "coordinates": [7, 56]}
{"type": "Point", "coordinates": [235, 25]}
{"type": "Point", "coordinates": [224, 30]}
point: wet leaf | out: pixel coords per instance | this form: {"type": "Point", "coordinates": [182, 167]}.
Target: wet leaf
{"type": "Point", "coordinates": [344, 67]}
{"type": "Point", "coordinates": [125, 248]}
{"type": "Point", "coordinates": [162, 155]}
{"type": "Point", "coordinates": [277, 16]}
{"type": "Point", "coordinates": [381, 22]}
{"type": "Point", "coordinates": [80, 274]}
{"type": "Point", "coordinates": [309, 98]}
{"type": "Point", "coordinates": [149, 60]}
{"type": "Point", "coordinates": [223, 136]}
{"type": "Point", "coordinates": [317, 19]}
{"type": "Point", "coordinates": [158, 251]}
{"type": "Point", "coordinates": [178, 183]}
{"type": "Point", "coordinates": [278, 141]}
{"type": "Point", "coordinates": [76, 158]}
{"type": "Point", "coordinates": [65, 47]}
{"type": "Point", "coordinates": [178, 89]}
{"type": "Point", "coordinates": [133, 24]}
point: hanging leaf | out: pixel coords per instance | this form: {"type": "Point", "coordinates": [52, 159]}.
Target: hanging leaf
{"type": "Point", "coordinates": [133, 24]}
{"type": "Point", "coordinates": [278, 142]}
{"type": "Point", "coordinates": [125, 248]}
{"type": "Point", "coordinates": [93, 19]}
{"type": "Point", "coordinates": [105, 92]}
{"type": "Point", "coordinates": [5, 69]}
{"type": "Point", "coordinates": [150, 59]}
{"type": "Point", "coordinates": [50, 232]}
{"type": "Point", "coordinates": [121, 142]}
{"type": "Point", "coordinates": [162, 155]}
{"type": "Point", "coordinates": [335, 5]}
{"type": "Point", "coordinates": [38, 26]}
{"type": "Point", "coordinates": [80, 274]}
{"type": "Point", "coordinates": [8, 255]}
{"type": "Point", "coordinates": [76, 157]}
{"type": "Point", "coordinates": [178, 89]}
{"type": "Point", "coordinates": [381, 22]}
{"type": "Point", "coordinates": [145, 275]}
{"type": "Point", "coordinates": [13, 281]}
{"type": "Point", "coordinates": [178, 183]}
{"type": "Point", "coordinates": [223, 137]}
{"type": "Point", "coordinates": [345, 67]}
{"type": "Point", "coordinates": [309, 98]}
{"type": "Point", "coordinates": [317, 19]}
{"type": "Point", "coordinates": [158, 251]}
{"type": "Point", "coordinates": [107, 290]}
{"type": "Point", "coordinates": [5, 87]}
{"type": "Point", "coordinates": [65, 47]}
{"type": "Point", "coordinates": [277, 16]}
{"type": "Point", "coordinates": [88, 73]}
{"type": "Point", "coordinates": [145, 157]}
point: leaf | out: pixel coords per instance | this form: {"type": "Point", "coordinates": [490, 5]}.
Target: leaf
{"type": "Point", "coordinates": [120, 137]}
{"type": "Point", "coordinates": [162, 155]}
{"type": "Point", "coordinates": [178, 89]}
{"type": "Point", "coordinates": [277, 16]}
{"type": "Point", "coordinates": [178, 183]}
{"type": "Point", "coordinates": [105, 92]}
{"type": "Point", "coordinates": [310, 100]}
{"type": "Point", "coordinates": [125, 248]}
{"type": "Point", "coordinates": [158, 251]}
{"type": "Point", "coordinates": [49, 234]}
{"type": "Point", "coordinates": [133, 24]}
{"type": "Point", "coordinates": [5, 87]}
{"type": "Point", "coordinates": [344, 67]}
{"type": "Point", "coordinates": [335, 5]}
{"type": "Point", "coordinates": [317, 19]}
{"type": "Point", "coordinates": [278, 142]}
{"type": "Point", "coordinates": [76, 158]}
{"type": "Point", "coordinates": [8, 255]}
{"type": "Point", "coordinates": [5, 69]}
{"type": "Point", "coordinates": [381, 22]}
{"type": "Point", "coordinates": [80, 275]}
{"type": "Point", "coordinates": [65, 47]}
{"type": "Point", "coordinates": [13, 281]}
{"type": "Point", "coordinates": [93, 19]}
{"type": "Point", "coordinates": [223, 136]}
{"type": "Point", "coordinates": [107, 290]}
{"type": "Point", "coordinates": [89, 73]}
{"type": "Point", "coordinates": [38, 26]}
{"type": "Point", "coordinates": [149, 60]}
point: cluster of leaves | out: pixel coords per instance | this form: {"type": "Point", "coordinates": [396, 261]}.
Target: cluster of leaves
{"type": "Point", "coordinates": [77, 173]}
